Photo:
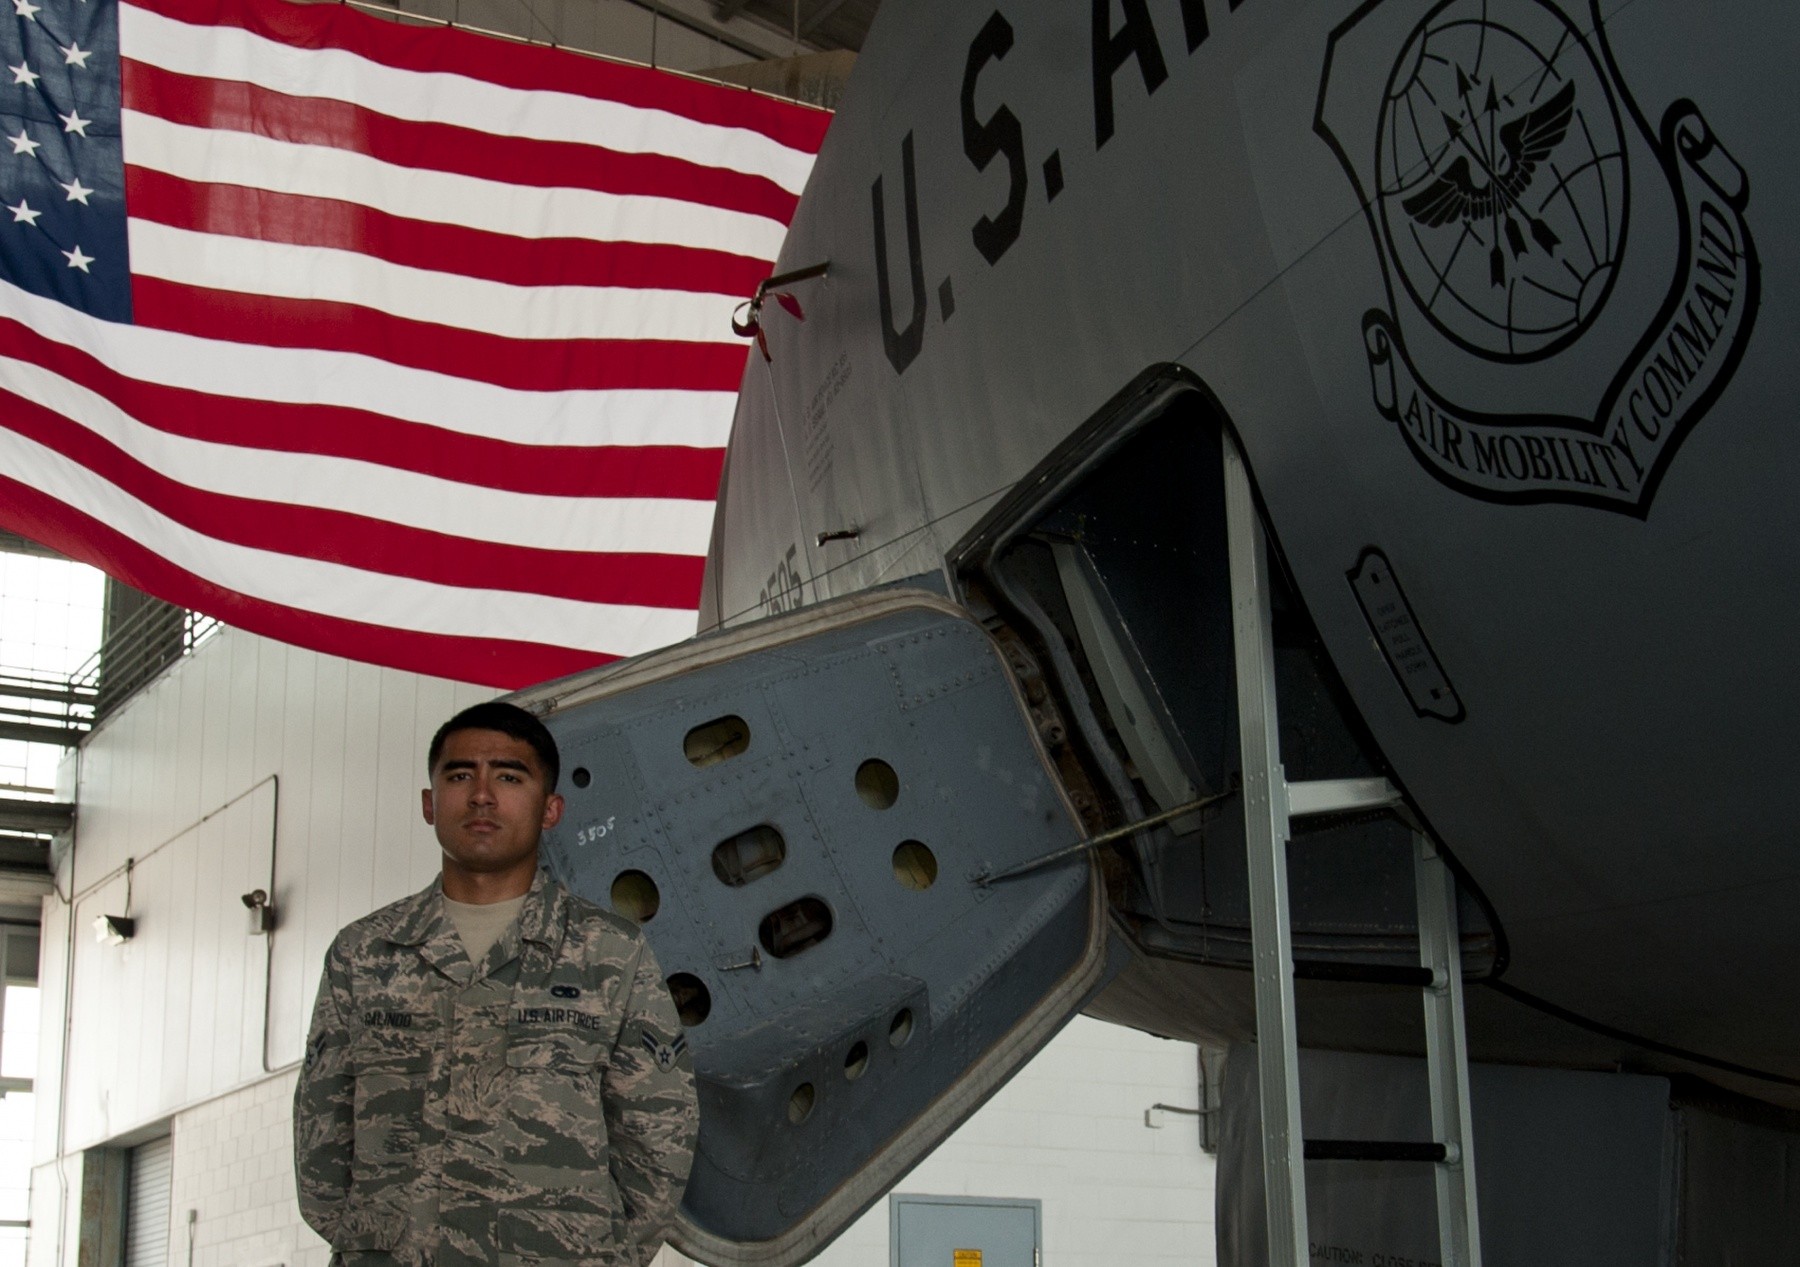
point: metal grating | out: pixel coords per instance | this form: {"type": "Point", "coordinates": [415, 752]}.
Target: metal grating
{"type": "Point", "coordinates": [147, 1211]}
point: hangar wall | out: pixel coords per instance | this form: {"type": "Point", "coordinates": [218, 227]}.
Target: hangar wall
{"type": "Point", "coordinates": [254, 765]}
{"type": "Point", "coordinates": [1070, 1131]}
{"type": "Point", "coordinates": [248, 765]}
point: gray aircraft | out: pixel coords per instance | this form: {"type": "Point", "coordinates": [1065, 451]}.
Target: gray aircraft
{"type": "Point", "coordinates": [1476, 313]}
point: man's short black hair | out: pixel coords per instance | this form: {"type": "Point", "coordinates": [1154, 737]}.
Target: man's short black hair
{"type": "Point", "coordinates": [508, 719]}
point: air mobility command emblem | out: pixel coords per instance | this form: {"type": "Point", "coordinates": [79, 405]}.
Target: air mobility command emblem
{"type": "Point", "coordinates": [1568, 288]}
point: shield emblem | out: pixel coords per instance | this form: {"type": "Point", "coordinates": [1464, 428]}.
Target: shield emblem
{"type": "Point", "coordinates": [1586, 279]}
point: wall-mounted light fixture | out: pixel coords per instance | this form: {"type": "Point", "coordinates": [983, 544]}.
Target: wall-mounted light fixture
{"type": "Point", "coordinates": [262, 912]}
{"type": "Point", "coordinates": [114, 929]}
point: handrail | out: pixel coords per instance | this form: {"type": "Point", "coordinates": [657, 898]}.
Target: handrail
{"type": "Point", "coordinates": [41, 707]}
{"type": "Point", "coordinates": [137, 649]}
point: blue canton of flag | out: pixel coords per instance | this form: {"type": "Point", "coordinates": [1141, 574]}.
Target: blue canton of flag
{"type": "Point", "coordinates": [62, 170]}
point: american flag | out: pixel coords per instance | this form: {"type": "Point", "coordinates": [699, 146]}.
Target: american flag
{"type": "Point", "coordinates": [404, 344]}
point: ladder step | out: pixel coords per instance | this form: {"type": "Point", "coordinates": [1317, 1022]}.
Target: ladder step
{"type": "Point", "coordinates": [1340, 796]}
{"type": "Point", "coordinates": [1362, 973]}
{"type": "Point", "coordinates": [1373, 1150]}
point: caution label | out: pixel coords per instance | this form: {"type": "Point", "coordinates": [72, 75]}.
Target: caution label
{"type": "Point", "coordinates": [965, 1258]}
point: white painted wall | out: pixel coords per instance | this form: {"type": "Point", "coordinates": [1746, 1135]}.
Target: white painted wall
{"type": "Point", "coordinates": [255, 765]}
{"type": "Point", "coordinates": [1069, 1131]}
{"type": "Point", "coordinates": [234, 1168]}
{"type": "Point", "coordinates": [249, 765]}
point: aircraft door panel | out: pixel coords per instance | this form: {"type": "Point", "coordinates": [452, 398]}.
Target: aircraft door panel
{"type": "Point", "coordinates": [817, 799]}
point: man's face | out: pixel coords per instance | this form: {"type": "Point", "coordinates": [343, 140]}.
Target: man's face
{"type": "Point", "coordinates": [487, 801]}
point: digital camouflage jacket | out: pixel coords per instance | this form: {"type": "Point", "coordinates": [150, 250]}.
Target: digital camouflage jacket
{"type": "Point", "coordinates": [534, 1110]}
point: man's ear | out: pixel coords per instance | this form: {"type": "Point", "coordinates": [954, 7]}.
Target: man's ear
{"type": "Point", "coordinates": [426, 807]}
{"type": "Point", "coordinates": [553, 811]}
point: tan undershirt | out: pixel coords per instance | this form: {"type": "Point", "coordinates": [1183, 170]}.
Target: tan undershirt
{"type": "Point", "coordinates": [481, 924]}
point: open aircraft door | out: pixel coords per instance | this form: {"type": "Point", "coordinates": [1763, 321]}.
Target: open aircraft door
{"type": "Point", "coordinates": [802, 814]}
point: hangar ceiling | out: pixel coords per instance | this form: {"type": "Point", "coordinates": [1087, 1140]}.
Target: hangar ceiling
{"type": "Point", "coordinates": [693, 36]}
{"type": "Point", "coordinates": [823, 24]}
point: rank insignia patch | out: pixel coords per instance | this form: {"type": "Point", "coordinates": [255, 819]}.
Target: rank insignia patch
{"type": "Point", "coordinates": [665, 1054]}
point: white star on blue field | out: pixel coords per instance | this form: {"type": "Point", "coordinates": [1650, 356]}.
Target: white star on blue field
{"type": "Point", "coordinates": [62, 176]}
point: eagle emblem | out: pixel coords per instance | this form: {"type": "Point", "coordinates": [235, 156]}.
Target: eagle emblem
{"type": "Point", "coordinates": [1502, 180]}
{"type": "Point", "coordinates": [1507, 159]}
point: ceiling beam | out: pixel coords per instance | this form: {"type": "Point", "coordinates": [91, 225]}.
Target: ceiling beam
{"type": "Point", "coordinates": [739, 29]}
{"type": "Point", "coordinates": [38, 817]}
{"type": "Point", "coordinates": [818, 16]}
{"type": "Point", "coordinates": [13, 686]}
{"type": "Point", "coordinates": [25, 884]}
{"type": "Point", "coordinates": [13, 543]}
{"type": "Point", "coordinates": [30, 732]}
{"type": "Point", "coordinates": [18, 854]}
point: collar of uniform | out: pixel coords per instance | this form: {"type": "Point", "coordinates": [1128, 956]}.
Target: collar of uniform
{"type": "Point", "coordinates": [422, 922]}
{"type": "Point", "coordinates": [419, 917]}
{"type": "Point", "coordinates": [539, 926]}
{"type": "Point", "coordinates": [541, 918]}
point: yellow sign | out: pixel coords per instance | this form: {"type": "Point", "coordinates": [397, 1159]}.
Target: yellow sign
{"type": "Point", "coordinates": [965, 1258]}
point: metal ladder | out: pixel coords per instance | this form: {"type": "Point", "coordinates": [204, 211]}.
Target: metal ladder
{"type": "Point", "coordinates": [1270, 804]}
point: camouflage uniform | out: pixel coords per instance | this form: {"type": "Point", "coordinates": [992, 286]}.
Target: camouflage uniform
{"type": "Point", "coordinates": [536, 1108]}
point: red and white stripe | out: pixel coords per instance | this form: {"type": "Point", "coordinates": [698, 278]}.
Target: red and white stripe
{"type": "Point", "coordinates": [432, 363]}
